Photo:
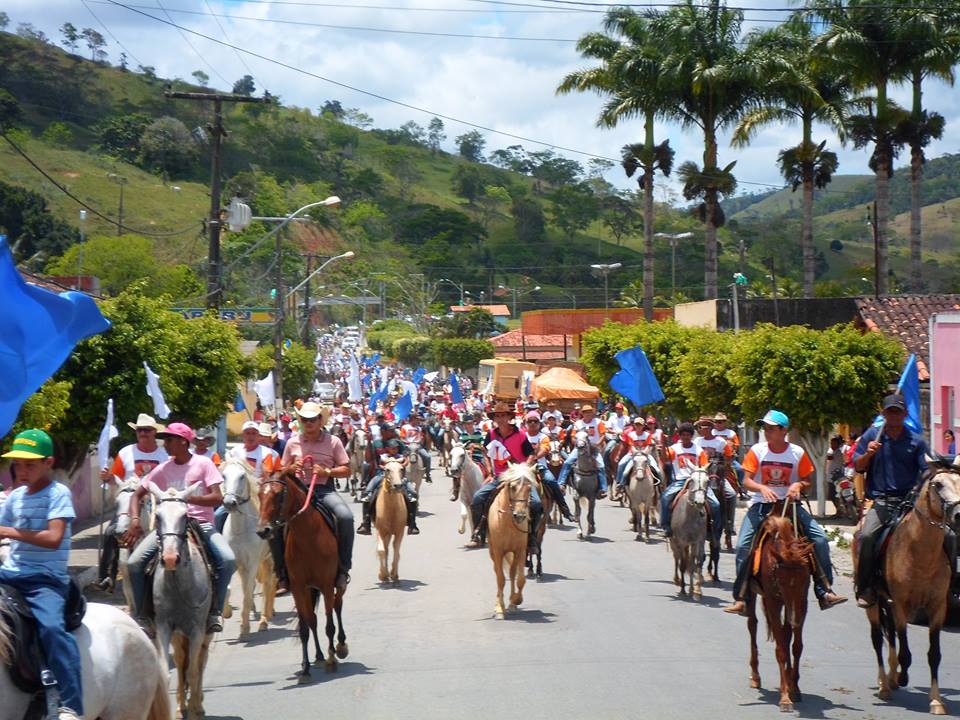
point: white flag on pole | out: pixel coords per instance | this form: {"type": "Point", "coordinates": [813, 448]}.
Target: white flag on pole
{"type": "Point", "coordinates": [353, 381]}
{"type": "Point", "coordinates": [266, 390]}
{"type": "Point", "coordinates": [411, 388]}
{"type": "Point", "coordinates": [160, 408]}
{"type": "Point", "coordinates": [108, 433]}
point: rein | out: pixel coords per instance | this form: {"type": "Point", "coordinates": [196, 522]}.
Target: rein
{"type": "Point", "coordinates": [945, 507]}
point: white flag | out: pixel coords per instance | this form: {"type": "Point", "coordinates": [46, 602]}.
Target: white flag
{"type": "Point", "coordinates": [411, 388]}
{"type": "Point", "coordinates": [160, 408]}
{"type": "Point", "coordinates": [108, 433]}
{"type": "Point", "coordinates": [266, 390]}
{"type": "Point", "coordinates": [353, 381]}
{"type": "Point", "coordinates": [384, 377]}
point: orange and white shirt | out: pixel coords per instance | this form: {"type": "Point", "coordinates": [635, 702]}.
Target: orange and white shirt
{"type": "Point", "coordinates": [685, 459]}
{"type": "Point", "coordinates": [263, 460]}
{"type": "Point", "coordinates": [778, 471]}
{"type": "Point", "coordinates": [730, 436]}
{"type": "Point", "coordinates": [595, 429]}
{"type": "Point", "coordinates": [715, 447]}
{"type": "Point", "coordinates": [210, 453]}
{"type": "Point", "coordinates": [131, 461]}
{"type": "Point", "coordinates": [634, 439]}
{"type": "Point", "coordinates": [411, 433]}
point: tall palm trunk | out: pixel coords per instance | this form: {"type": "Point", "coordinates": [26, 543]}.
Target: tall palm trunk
{"type": "Point", "coordinates": [648, 219]}
{"type": "Point", "coordinates": [883, 162]}
{"type": "Point", "coordinates": [806, 231]}
{"type": "Point", "coordinates": [711, 201]}
{"type": "Point", "coordinates": [916, 180]}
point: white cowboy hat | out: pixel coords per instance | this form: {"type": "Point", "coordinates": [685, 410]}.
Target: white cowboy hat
{"type": "Point", "coordinates": [145, 421]}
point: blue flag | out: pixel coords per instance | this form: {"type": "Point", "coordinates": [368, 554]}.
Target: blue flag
{"type": "Point", "coordinates": [635, 380]}
{"type": "Point", "coordinates": [403, 408]}
{"type": "Point", "coordinates": [418, 375]}
{"type": "Point", "coordinates": [38, 331]}
{"type": "Point", "coordinates": [909, 387]}
{"type": "Point", "coordinates": [456, 395]}
{"type": "Point", "coordinates": [238, 404]}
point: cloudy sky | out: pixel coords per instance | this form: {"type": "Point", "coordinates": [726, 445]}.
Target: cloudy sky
{"type": "Point", "coordinates": [499, 69]}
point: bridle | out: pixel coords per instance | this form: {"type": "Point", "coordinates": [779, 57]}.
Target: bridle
{"type": "Point", "coordinates": [240, 500]}
{"type": "Point", "coordinates": [181, 536]}
{"type": "Point", "coordinates": [523, 515]}
{"type": "Point", "coordinates": [946, 508]}
{"type": "Point", "coordinates": [280, 519]}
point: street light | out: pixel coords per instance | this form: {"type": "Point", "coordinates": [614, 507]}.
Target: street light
{"type": "Point", "coordinates": [83, 223]}
{"type": "Point", "coordinates": [673, 237]}
{"type": "Point", "coordinates": [458, 286]}
{"type": "Point", "coordinates": [517, 292]}
{"type": "Point", "coordinates": [605, 269]}
{"type": "Point", "coordinates": [121, 181]}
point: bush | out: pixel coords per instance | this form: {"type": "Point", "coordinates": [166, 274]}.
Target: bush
{"type": "Point", "coordinates": [461, 353]}
{"type": "Point", "coordinates": [413, 350]}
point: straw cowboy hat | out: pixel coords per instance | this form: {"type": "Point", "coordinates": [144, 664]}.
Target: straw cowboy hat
{"type": "Point", "coordinates": [145, 421]}
{"type": "Point", "coordinates": [500, 407]}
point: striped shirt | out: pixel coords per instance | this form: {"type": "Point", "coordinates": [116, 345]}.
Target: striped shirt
{"type": "Point", "coordinates": [34, 511]}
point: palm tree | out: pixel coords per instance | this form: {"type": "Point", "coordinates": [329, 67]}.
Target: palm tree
{"type": "Point", "coordinates": [629, 76]}
{"type": "Point", "coordinates": [801, 88]}
{"type": "Point", "coordinates": [714, 86]}
{"type": "Point", "coordinates": [867, 39]}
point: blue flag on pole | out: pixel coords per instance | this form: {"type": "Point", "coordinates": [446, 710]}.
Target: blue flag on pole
{"type": "Point", "coordinates": [635, 379]}
{"type": "Point", "coordinates": [238, 404]}
{"type": "Point", "coordinates": [418, 375]}
{"type": "Point", "coordinates": [909, 387]}
{"type": "Point", "coordinates": [403, 408]}
{"type": "Point", "coordinates": [38, 331]}
{"type": "Point", "coordinates": [456, 395]}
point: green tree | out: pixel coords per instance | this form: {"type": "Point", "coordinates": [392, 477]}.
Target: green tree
{"type": "Point", "coordinates": [492, 198]}
{"type": "Point", "coordinates": [467, 182]}
{"type": "Point", "coordinates": [296, 368]}
{"type": "Point", "coordinates": [554, 169]}
{"type": "Point", "coordinates": [474, 323]}
{"type": "Point", "coordinates": [10, 112]}
{"type": "Point", "coordinates": [33, 232]}
{"type": "Point", "coordinates": [167, 147]}
{"type": "Point", "coordinates": [704, 374]}
{"type": "Point", "coordinates": [71, 37]}
{"type": "Point", "coordinates": [574, 208]}
{"type": "Point", "coordinates": [470, 145]}
{"type": "Point", "coordinates": [528, 220]}
{"type": "Point", "coordinates": [244, 86]}
{"type": "Point", "coordinates": [57, 135]}
{"type": "Point", "coordinates": [4, 20]}
{"type": "Point", "coordinates": [201, 77]}
{"type": "Point", "coordinates": [412, 351]}
{"type": "Point", "coordinates": [117, 261]}
{"type": "Point", "coordinates": [401, 163]}
{"type": "Point", "coordinates": [461, 353]}
{"type": "Point", "coordinates": [95, 43]}
{"type": "Point", "coordinates": [120, 135]}
{"type": "Point", "coordinates": [435, 135]}
{"type": "Point", "coordinates": [618, 212]}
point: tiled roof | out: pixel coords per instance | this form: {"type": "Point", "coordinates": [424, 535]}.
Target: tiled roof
{"type": "Point", "coordinates": [555, 354]}
{"type": "Point", "coordinates": [495, 310]}
{"type": "Point", "coordinates": [516, 338]}
{"type": "Point", "coordinates": [907, 319]}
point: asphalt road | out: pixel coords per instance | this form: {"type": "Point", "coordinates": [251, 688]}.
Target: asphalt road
{"type": "Point", "coordinates": [603, 635]}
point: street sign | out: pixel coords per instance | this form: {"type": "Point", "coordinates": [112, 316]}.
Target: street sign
{"type": "Point", "coordinates": [251, 316]}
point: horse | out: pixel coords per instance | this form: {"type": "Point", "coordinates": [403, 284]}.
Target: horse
{"type": "Point", "coordinates": [415, 469]}
{"type": "Point", "coordinates": [535, 553]}
{"type": "Point", "coordinates": [357, 450]}
{"type": "Point", "coordinates": [122, 525]}
{"type": "Point", "coordinates": [471, 478]}
{"type": "Point", "coordinates": [312, 564]}
{"type": "Point", "coordinates": [554, 460]}
{"type": "Point", "coordinates": [641, 495]}
{"type": "Point", "coordinates": [613, 459]}
{"type": "Point", "coordinates": [182, 594]}
{"type": "Point", "coordinates": [449, 438]}
{"type": "Point", "coordinates": [390, 520]}
{"type": "Point", "coordinates": [786, 563]}
{"type": "Point", "coordinates": [254, 561]}
{"type": "Point", "coordinates": [689, 531]}
{"type": "Point", "coordinates": [728, 506]}
{"type": "Point", "coordinates": [122, 676]}
{"type": "Point", "coordinates": [916, 573]}
{"type": "Point", "coordinates": [585, 485]}
{"type": "Point", "coordinates": [507, 528]}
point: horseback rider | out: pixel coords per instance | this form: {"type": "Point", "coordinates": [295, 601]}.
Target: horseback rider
{"type": "Point", "coordinates": [38, 518]}
{"type": "Point", "coordinates": [776, 470]}
{"type": "Point", "coordinates": [389, 442]}
{"type": "Point", "coordinates": [683, 456]}
{"type": "Point", "coordinates": [634, 437]}
{"type": "Point", "coordinates": [617, 421]}
{"type": "Point", "coordinates": [133, 461]}
{"type": "Point", "coordinates": [412, 432]}
{"type": "Point", "coordinates": [893, 458]}
{"type": "Point", "coordinates": [540, 442]}
{"type": "Point", "coordinates": [720, 453]}
{"type": "Point", "coordinates": [330, 461]}
{"type": "Point", "coordinates": [472, 441]}
{"type": "Point", "coordinates": [202, 445]}
{"type": "Point", "coordinates": [553, 412]}
{"type": "Point", "coordinates": [504, 444]}
{"type": "Point", "coordinates": [721, 430]}
{"type": "Point", "coordinates": [180, 471]}
{"type": "Point", "coordinates": [594, 428]}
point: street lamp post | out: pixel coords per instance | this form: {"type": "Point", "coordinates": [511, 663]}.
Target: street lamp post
{"type": "Point", "coordinates": [121, 181]}
{"type": "Point", "coordinates": [605, 269]}
{"type": "Point", "coordinates": [673, 237]}
{"type": "Point", "coordinates": [458, 286]}
{"type": "Point", "coordinates": [83, 223]}
{"type": "Point", "coordinates": [517, 292]}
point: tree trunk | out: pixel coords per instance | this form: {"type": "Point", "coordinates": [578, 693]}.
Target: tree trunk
{"type": "Point", "coordinates": [883, 211]}
{"type": "Point", "coordinates": [816, 443]}
{"type": "Point", "coordinates": [648, 221]}
{"type": "Point", "coordinates": [806, 231]}
{"type": "Point", "coordinates": [710, 231]}
{"type": "Point", "coordinates": [916, 238]}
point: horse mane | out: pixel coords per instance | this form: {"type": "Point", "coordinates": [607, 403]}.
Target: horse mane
{"type": "Point", "coordinates": [517, 472]}
{"type": "Point", "coordinates": [787, 547]}
{"type": "Point", "coordinates": [253, 485]}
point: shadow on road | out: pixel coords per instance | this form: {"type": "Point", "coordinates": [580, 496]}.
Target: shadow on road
{"type": "Point", "coordinates": [405, 585]}
{"type": "Point", "coordinates": [257, 637]}
{"type": "Point", "coordinates": [531, 615]}
{"type": "Point", "coordinates": [553, 577]}
{"type": "Point", "coordinates": [319, 675]}
{"type": "Point", "coordinates": [812, 706]}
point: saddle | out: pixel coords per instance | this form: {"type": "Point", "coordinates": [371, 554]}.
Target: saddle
{"type": "Point", "coordinates": [27, 665]}
{"type": "Point", "coordinates": [317, 504]}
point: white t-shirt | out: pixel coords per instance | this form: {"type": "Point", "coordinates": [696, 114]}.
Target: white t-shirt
{"type": "Point", "coordinates": [592, 428]}
{"type": "Point", "coordinates": [261, 459]}
{"type": "Point", "coordinates": [778, 471]}
{"type": "Point", "coordinates": [712, 447]}
{"type": "Point", "coordinates": [552, 413]}
{"type": "Point", "coordinates": [131, 462]}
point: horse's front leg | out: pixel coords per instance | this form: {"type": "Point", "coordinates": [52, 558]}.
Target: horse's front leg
{"type": "Point", "coordinates": [248, 582]}
{"type": "Point", "coordinates": [395, 567]}
{"type": "Point", "coordinates": [696, 577]}
{"type": "Point", "coordinates": [498, 610]}
{"type": "Point", "coordinates": [773, 612]}
{"type": "Point", "coordinates": [306, 616]}
{"type": "Point", "coordinates": [342, 649]}
{"type": "Point", "coordinates": [517, 579]}
{"type": "Point", "coordinates": [800, 614]}
{"type": "Point", "coordinates": [877, 638]}
{"type": "Point", "coordinates": [382, 555]}
{"type": "Point", "coordinates": [181, 661]}
{"type": "Point", "coordinates": [752, 627]}
{"type": "Point", "coordinates": [194, 650]}
{"type": "Point", "coordinates": [904, 658]}
{"type": "Point", "coordinates": [937, 706]}
{"type": "Point", "coordinates": [328, 600]}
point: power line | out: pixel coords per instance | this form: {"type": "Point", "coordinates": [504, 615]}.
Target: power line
{"type": "Point", "coordinates": [107, 30]}
{"type": "Point", "coordinates": [227, 38]}
{"type": "Point", "coordinates": [539, 11]}
{"type": "Point", "coordinates": [190, 44]}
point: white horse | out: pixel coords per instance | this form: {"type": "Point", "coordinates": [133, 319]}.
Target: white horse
{"type": "Point", "coordinates": [357, 450]}
{"type": "Point", "coordinates": [254, 561]}
{"type": "Point", "coordinates": [124, 500]}
{"type": "Point", "coordinates": [471, 478]}
{"type": "Point", "coordinates": [122, 676]}
{"type": "Point", "coordinates": [642, 494]}
{"type": "Point", "coordinates": [415, 468]}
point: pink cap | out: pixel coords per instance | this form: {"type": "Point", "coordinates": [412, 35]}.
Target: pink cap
{"type": "Point", "coordinates": [532, 415]}
{"type": "Point", "coordinates": [180, 430]}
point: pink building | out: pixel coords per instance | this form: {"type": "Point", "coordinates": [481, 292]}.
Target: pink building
{"type": "Point", "coordinates": [944, 376]}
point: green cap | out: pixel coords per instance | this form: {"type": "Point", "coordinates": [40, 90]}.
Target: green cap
{"type": "Point", "coordinates": [32, 445]}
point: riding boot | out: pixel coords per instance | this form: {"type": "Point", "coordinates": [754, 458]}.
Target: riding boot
{"type": "Point", "coordinates": [276, 544]}
{"type": "Point", "coordinates": [364, 528]}
{"type": "Point", "coordinates": [456, 489]}
{"type": "Point", "coordinates": [479, 517]}
{"type": "Point", "coordinates": [412, 528]}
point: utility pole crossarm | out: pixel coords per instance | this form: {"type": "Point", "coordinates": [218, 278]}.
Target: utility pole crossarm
{"type": "Point", "coordinates": [216, 97]}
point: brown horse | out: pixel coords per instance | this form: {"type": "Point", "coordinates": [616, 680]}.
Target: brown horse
{"type": "Point", "coordinates": [535, 555]}
{"type": "Point", "coordinates": [616, 455]}
{"type": "Point", "coordinates": [312, 563]}
{"type": "Point", "coordinates": [390, 520]}
{"type": "Point", "coordinates": [917, 573]}
{"type": "Point", "coordinates": [507, 527]}
{"type": "Point", "coordinates": [786, 563]}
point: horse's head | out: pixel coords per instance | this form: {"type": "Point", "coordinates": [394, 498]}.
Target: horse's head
{"type": "Point", "coordinates": [457, 455]}
{"type": "Point", "coordinates": [519, 479]}
{"type": "Point", "coordinates": [124, 500]}
{"type": "Point", "coordinates": [274, 496]}
{"type": "Point", "coordinates": [393, 475]}
{"type": "Point", "coordinates": [413, 452]}
{"type": "Point", "coordinates": [697, 485]}
{"type": "Point", "coordinates": [582, 441]}
{"type": "Point", "coordinates": [171, 519]}
{"type": "Point", "coordinates": [238, 484]}
{"type": "Point", "coordinates": [943, 492]}
{"type": "Point", "coordinates": [554, 457]}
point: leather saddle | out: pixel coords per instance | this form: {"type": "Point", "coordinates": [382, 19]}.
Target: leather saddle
{"type": "Point", "coordinates": [26, 658]}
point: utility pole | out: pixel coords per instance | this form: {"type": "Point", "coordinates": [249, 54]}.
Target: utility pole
{"type": "Point", "coordinates": [214, 281]}
{"type": "Point", "coordinates": [278, 324]}
{"type": "Point", "coordinates": [310, 257]}
{"type": "Point", "coordinates": [121, 181]}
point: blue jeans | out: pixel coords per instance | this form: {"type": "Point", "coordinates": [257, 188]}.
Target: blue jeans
{"type": "Point", "coordinates": [46, 596]}
{"type": "Point", "coordinates": [224, 563]}
{"type": "Point", "coordinates": [670, 494]}
{"type": "Point", "coordinates": [609, 449]}
{"type": "Point", "coordinates": [572, 460]}
{"type": "Point", "coordinates": [220, 518]}
{"type": "Point", "coordinates": [426, 460]}
{"type": "Point", "coordinates": [623, 467]}
{"type": "Point", "coordinates": [409, 490]}
{"type": "Point", "coordinates": [481, 496]}
{"type": "Point", "coordinates": [810, 528]}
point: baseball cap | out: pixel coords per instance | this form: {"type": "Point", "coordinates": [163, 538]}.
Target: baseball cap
{"type": "Point", "coordinates": [180, 430]}
{"type": "Point", "coordinates": [775, 417]}
{"type": "Point", "coordinates": [265, 429]}
{"type": "Point", "coordinates": [651, 419]}
{"type": "Point", "coordinates": [894, 401]}
{"type": "Point", "coordinates": [638, 419]}
{"type": "Point", "coordinates": [250, 425]}
{"type": "Point", "coordinates": [31, 445]}
{"type": "Point", "coordinates": [532, 415]}
{"type": "Point", "coordinates": [309, 410]}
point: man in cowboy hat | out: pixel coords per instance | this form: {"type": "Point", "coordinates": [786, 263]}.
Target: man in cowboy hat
{"type": "Point", "coordinates": [132, 462]}
{"type": "Point", "coordinates": [202, 444]}
{"type": "Point", "coordinates": [720, 453]}
{"type": "Point", "coordinates": [594, 428]}
{"type": "Point", "coordinates": [180, 471]}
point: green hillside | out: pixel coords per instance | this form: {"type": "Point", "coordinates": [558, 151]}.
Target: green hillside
{"type": "Point", "coordinates": [787, 201]}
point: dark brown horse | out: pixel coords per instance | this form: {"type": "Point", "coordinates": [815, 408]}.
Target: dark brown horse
{"type": "Point", "coordinates": [312, 563]}
{"type": "Point", "coordinates": [783, 580]}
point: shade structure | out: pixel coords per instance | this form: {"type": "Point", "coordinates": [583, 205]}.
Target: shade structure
{"type": "Point", "coordinates": [562, 383]}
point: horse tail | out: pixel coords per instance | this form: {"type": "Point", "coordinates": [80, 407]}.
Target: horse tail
{"type": "Point", "coordinates": [160, 704]}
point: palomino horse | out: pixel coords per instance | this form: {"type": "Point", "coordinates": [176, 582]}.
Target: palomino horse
{"type": "Point", "coordinates": [688, 526]}
{"type": "Point", "coordinates": [641, 495]}
{"type": "Point", "coordinates": [446, 447]}
{"type": "Point", "coordinates": [357, 450]}
{"type": "Point", "coordinates": [585, 485]}
{"type": "Point", "coordinates": [390, 520]}
{"type": "Point", "coordinates": [471, 478]}
{"type": "Point", "coordinates": [786, 564]}
{"type": "Point", "coordinates": [254, 561]}
{"type": "Point", "coordinates": [182, 594]}
{"type": "Point", "coordinates": [415, 468]}
{"type": "Point", "coordinates": [122, 676]}
{"type": "Point", "coordinates": [508, 523]}
{"type": "Point", "coordinates": [916, 574]}
{"type": "Point", "coordinates": [312, 563]}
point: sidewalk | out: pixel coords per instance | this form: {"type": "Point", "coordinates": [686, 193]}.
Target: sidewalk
{"type": "Point", "coordinates": [83, 553]}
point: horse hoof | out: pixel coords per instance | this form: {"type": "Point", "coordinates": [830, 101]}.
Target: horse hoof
{"type": "Point", "coordinates": [786, 707]}
{"type": "Point", "coordinates": [937, 707]}
{"type": "Point", "coordinates": [342, 651]}
{"type": "Point", "coordinates": [884, 694]}
{"type": "Point", "coordinates": [244, 631]}
{"type": "Point", "coordinates": [579, 535]}
{"type": "Point", "coordinates": [511, 608]}
{"type": "Point", "coordinates": [395, 582]}
{"type": "Point", "coordinates": [227, 612]}
{"type": "Point", "coordinates": [498, 614]}
{"type": "Point", "coordinates": [697, 597]}
{"type": "Point", "coordinates": [303, 678]}
{"type": "Point", "coordinates": [331, 665]}
{"type": "Point", "coordinates": [904, 679]}
{"type": "Point", "coordinates": [755, 682]}
{"type": "Point", "coordinates": [382, 577]}
{"type": "Point", "coordinates": [262, 626]}
{"type": "Point", "coordinates": [796, 696]}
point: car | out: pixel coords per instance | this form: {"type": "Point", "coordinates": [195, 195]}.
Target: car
{"type": "Point", "coordinates": [325, 392]}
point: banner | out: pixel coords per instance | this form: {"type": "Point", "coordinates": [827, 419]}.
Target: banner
{"type": "Point", "coordinates": [160, 408]}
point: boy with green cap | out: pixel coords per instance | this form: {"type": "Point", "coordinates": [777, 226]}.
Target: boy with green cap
{"type": "Point", "coordinates": [37, 518]}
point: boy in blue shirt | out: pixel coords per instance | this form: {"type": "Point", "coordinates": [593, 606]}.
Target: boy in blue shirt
{"type": "Point", "coordinates": [37, 518]}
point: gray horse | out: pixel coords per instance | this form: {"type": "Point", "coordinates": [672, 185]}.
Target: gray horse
{"type": "Point", "coordinates": [585, 485]}
{"type": "Point", "coordinates": [689, 527]}
{"type": "Point", "coordinates": [182, 593]}
{"type": "Point", "coordinates": [470, 475]}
